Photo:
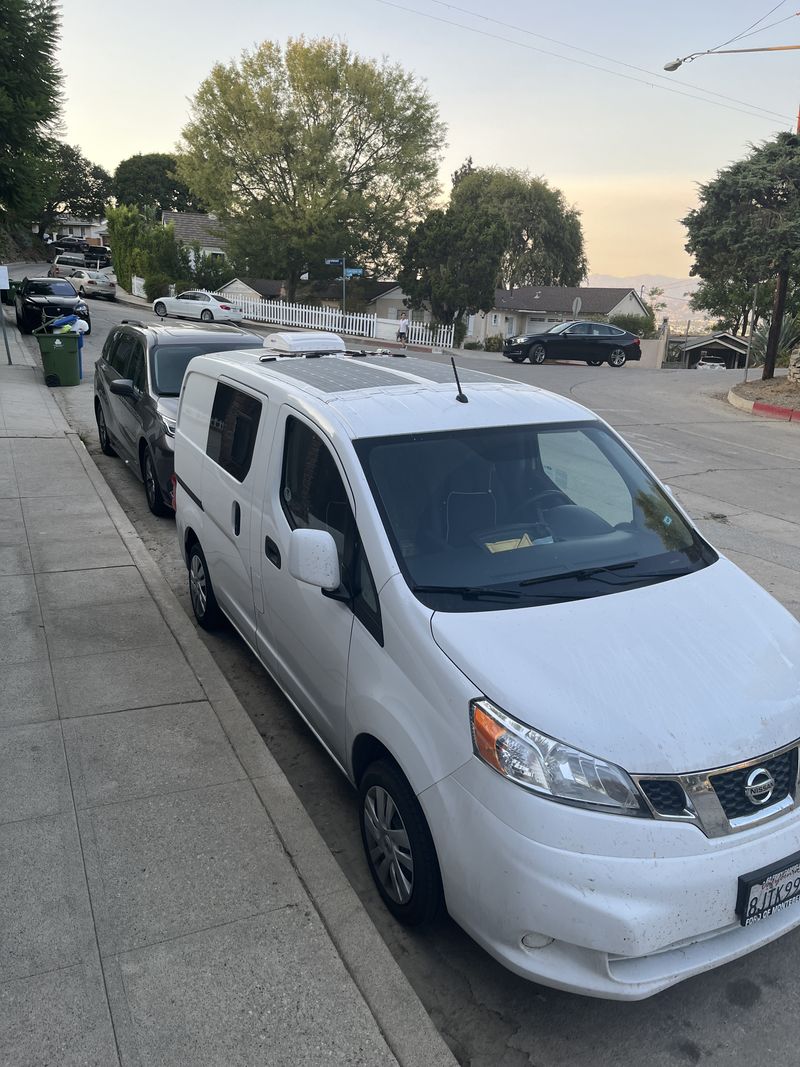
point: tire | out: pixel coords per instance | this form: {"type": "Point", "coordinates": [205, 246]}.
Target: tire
{"type": "Point", "coordinates": [89, 324]}
{"type": "Point", "coordinates": [82, 292]}
{"type": "Point", "coordinates": [201, 592]}
{"type": "Point", "coordinates": [617, 358]}
{"type": "Point", "coordinates": [595, 362]}
{"type": "Point", "coordinates": [410, 885]}
{"type": "Point", "coordinates": [22, 324]}
{"type": "Point", "coordinates": [206, 316]}
{"type": "Point", "coordinates": [160, 309]}
{"type": "Point", "coordinates": [537, 354]}
{"type": "Point", "coordinates": [517, 359]}
{"type": "Point", "coordinates": [102, 431]}
{"type": "Point", "coordinates": [152, 490]}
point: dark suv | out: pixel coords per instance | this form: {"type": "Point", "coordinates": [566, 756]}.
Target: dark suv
{"type": "Point", "coordinates": [137, 381]}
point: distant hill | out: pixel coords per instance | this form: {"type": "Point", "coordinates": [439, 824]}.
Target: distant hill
{"type": "Point", "coordinates": [677, 302]}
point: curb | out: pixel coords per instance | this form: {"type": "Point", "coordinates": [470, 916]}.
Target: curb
{"type": "Point", "coordinates": [400, 1015]}
{"type": "Point", "coordinates": [766, 411]}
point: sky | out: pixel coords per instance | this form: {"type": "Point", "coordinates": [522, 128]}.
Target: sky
{"type": "Point", "coordinates": [595, 114]}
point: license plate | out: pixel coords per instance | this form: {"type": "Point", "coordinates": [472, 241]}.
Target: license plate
{"type": "Point", "coordinates": [768, 890]}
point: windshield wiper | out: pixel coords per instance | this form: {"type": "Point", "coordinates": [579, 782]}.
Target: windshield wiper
{"type": "Point", "coordinates": [595, 572]}
{"type": "Point", "coordinates": [476, 592]}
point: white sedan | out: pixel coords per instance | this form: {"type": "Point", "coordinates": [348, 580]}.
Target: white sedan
{"type": "Point", "coordinates": [196, 304]}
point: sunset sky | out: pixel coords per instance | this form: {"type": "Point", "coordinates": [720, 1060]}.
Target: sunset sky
{"type": "Point", "coordinates": [595, 114]}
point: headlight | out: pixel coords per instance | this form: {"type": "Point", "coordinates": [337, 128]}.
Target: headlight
{"type": "Point", "coordinates": [549, 767]}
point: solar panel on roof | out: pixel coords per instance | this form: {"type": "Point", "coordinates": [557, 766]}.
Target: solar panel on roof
{"type": "Point", "coordinates": [331, 375]}
{"type": "Point", "coordinates": [439, 373]}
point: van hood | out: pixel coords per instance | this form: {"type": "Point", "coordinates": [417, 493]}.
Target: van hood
{"type": "Point", "coordinates": [685, 675]}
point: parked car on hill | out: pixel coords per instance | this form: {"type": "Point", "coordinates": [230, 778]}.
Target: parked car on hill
{"type": "Point", "coordinates": [65, 264]}
{"type": "Point", "coordinates": [196, 304]}
{"type": "Point", "coordinates": [137, 380]}
{"type": "Point", "coordinates": [606, 802]}
{"type": "Point", "coordinates": [594, 343]}
{"type": "Point", "coordinates": [93, 283]}
{"type": "Point", "coordinates": [38, 299]}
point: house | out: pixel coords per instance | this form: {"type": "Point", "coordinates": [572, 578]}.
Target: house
{"type": "Point", "coordinates": [193, 228]}
{"type": "Point", "coordinates": [523, 310]}
{"type": "Point", "coordinates": [255, 288]}
{"type": "Point", "coordinates": [94, 230]}
{"type": "Point", "coordinates": [688, 351]}
{"type": "Point", "coordinates": [389, 302]}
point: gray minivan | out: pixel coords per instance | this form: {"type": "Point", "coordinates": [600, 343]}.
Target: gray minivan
{"type": "Point", "coordinates": [137, 381]}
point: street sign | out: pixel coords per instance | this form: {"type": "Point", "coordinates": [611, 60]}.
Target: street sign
{"type": "Point", "coordinates": [333, 262]}
{"type": "Point", "coordinates": [576, 306]}
{"type": "Point", "coordinates": [353, 272]}
{"type": "Point", "coordinates": [4, 278]}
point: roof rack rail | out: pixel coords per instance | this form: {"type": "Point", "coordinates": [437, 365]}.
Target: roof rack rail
{"type": "Point", "coordinates": [131, 322]}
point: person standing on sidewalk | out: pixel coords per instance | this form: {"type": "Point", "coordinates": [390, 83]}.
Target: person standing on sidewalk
{"type": "Point", "coordinates": [402, 328]}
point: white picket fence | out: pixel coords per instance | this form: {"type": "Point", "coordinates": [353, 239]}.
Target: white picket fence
{"type": "Point", "coordinates": [351, 324]}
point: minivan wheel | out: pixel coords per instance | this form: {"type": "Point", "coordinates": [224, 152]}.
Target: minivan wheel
{"type": "Point", "coordinates": [102, 431]}
{"type": "Point", "coordinates": [155, 501]}
{"type": "Point", "coordinates": [617, 358]}
{"type": "Point", "coordinates": [160, 310]}
{"type": "Point", "coordinates": [538, 354]}
{"type": "Point", "coordinates": [398, 845]}
{"type": "Point", "coordinates": [201, 592]}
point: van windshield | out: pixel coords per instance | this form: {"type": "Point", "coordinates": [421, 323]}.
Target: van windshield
{"type": "Point", "coordinates": [168, 363]}
{"type": "Point", "coordinates": [521, 515]}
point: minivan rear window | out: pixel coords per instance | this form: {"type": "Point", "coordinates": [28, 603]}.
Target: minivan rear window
{"type": "Point", "coordinates": [232, 431]}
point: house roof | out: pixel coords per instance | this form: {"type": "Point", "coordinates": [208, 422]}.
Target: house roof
{"type": "Point", "coordinates": [727, 340]}
{"type": "Point", "coordinates": [266, 287]}
{"type": "Point", "coordinates": [191, 226]}
{"type": "Point", "coordinates": [382, 289]}
{"type": "Point", "coordinates": [559, 298]}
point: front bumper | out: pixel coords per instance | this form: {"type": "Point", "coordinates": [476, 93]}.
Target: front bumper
{"type": "Point", "coordinates": [622, 907]}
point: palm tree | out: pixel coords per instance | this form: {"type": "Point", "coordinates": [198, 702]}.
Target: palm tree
{"type": "Point", "coordinates": [787, 340]}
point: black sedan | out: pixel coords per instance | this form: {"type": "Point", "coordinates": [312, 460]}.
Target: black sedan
{"type": "Point", "coordinates": [39, 300]}
{"type": "Point", "coordinates": [591, 342]}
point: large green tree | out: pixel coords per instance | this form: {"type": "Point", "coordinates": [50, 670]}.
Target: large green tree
{"type": "Point", "coordinates": [451, 262]}
{"type": "Point", "coordinates": [544, 244]}
{"type": "Point", "coordinates": [315, 151]}
{"type": "Point", "coordinates": [747, 227]}
{"type": "Point", "coordinates": [30, 84]}
{"type": "Point", "coordinates": [68, 183]}
{"type": "Point", "coordinates": [150, 180]}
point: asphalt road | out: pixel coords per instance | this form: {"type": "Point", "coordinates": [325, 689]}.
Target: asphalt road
{"type": "Point", "coordinates": [739, 476]}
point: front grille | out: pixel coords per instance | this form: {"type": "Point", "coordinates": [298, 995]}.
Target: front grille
{"type": "Point", "coordinates": [730, 787]}
{"type": "Point", "coordinates": [667, 797]}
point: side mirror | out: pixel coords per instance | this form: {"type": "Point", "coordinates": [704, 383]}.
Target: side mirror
{"type": "Point", "coordinates": [314, 559]}
{"type": "Point", "coordinates": [123, 387]}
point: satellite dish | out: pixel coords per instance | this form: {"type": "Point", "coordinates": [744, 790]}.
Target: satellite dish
{"type": "Point", "coordinates": [577, 303]}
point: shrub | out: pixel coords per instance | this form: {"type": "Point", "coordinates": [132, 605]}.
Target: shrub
{"type": "Point", "coordinates": [641, 325]}
{"type": "Point", "coordinates": [473, 346]}
{"type": "Point", "coordinates": [494, 343]}
{"type": "Point", "coordinates": [156, 285]}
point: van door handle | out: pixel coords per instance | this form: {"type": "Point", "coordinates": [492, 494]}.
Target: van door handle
{"type": "Point", "coordinates": [237, 518]}
{"type": "Point", "coordinates": [272, 552]}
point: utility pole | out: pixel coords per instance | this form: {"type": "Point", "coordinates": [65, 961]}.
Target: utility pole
{"type": "Point", "coordinates": [752, 321]}
{"type": "Point", "coordinates": [344, 286]}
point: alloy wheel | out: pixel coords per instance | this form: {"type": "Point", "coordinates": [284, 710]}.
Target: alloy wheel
{"type": "Point", "coordinates": [160, 310]}
{"type": "Point", "coordinates": [618, 358]}
{"type": "Point", "coordinates": [198, 588]}
{"type": "Point", "coordinates": [538, 354]}
{"type": "Point", "coordinates": [389, 845]}
{"type": "Point", "coordinates": [206, 315]}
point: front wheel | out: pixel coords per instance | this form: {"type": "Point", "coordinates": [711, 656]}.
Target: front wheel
{"type": "Point", "coordinates": [398, 845]}
{"type": "Point", "coordinates": [617, 358]}
{"type": "Point", "coordinates": [595, 362]}
{"type": "Point", "coordinates": [206, 316]}
{"type": "Point", "coordinates": [160, 310]}
{"type": "Point", "coordinates": [201, 592]}
{"type": "Point", "coordinates": [537, 354]}
{"type": "Point", "coordinates": [102, 431]}
{"type": "Point", "coordinates": [517, 359]}
{"type": "Point", "coordinates": [155, 501]}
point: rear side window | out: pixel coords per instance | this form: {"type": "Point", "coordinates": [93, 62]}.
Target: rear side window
{"type": "Point", "coordinates": [232, 431]}
{"type": "Point", "coordinates": [120, 356]}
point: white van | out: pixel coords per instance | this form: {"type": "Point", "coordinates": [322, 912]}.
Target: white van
{"type": "Point", "coordinates": [488, 613]}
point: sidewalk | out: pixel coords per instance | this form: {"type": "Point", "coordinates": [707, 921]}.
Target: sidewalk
{"type": "Point", "coordinates": [164, 898]}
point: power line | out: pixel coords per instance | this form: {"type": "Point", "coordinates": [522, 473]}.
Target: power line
{"type": "Point", "coordinates": [769, 26]}
{"type": "Point", "coordinates": [768, 112]}
{"type": "Point", "coordinates": [750, 27]}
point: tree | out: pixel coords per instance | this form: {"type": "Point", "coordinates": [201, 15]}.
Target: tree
{"type": "Point", "coordinates": [747, 227]}
{"type": "Point", "coordinates": [544, 244]}
{"type": "Point", "coordinates": [314, 151]}
{"type": "Point", "coordinates": [451, 262]}
{"type": "Point", "coordinates": [30, 86]}
{"type": "Point", "coordinates": [69, 183]}
{"type": "Point", "coordinates": [151, 180]}
{"type": "Point", "coordinates": [142, 246]}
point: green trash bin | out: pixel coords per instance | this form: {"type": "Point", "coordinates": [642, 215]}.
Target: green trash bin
{"type": "Point", "coordinates": [60, 359]}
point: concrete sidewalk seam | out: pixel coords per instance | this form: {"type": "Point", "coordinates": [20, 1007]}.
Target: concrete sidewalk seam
{"type": "Point", "coordinates": [400, 1016]}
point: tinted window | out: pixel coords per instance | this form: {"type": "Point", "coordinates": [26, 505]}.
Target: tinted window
{"type": "Point", "coordinates": [50, 288]}
{"type": "Point", "coordinates": [120, 357]}
{"type": "Point", "coordinates": [168, 363]}
{"type": "Point", "coordinates": [232, 431]}
{"type": "Point", "coordinates": [136, 367]}
{"type": "Point", "coordinates": [314, 497]}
